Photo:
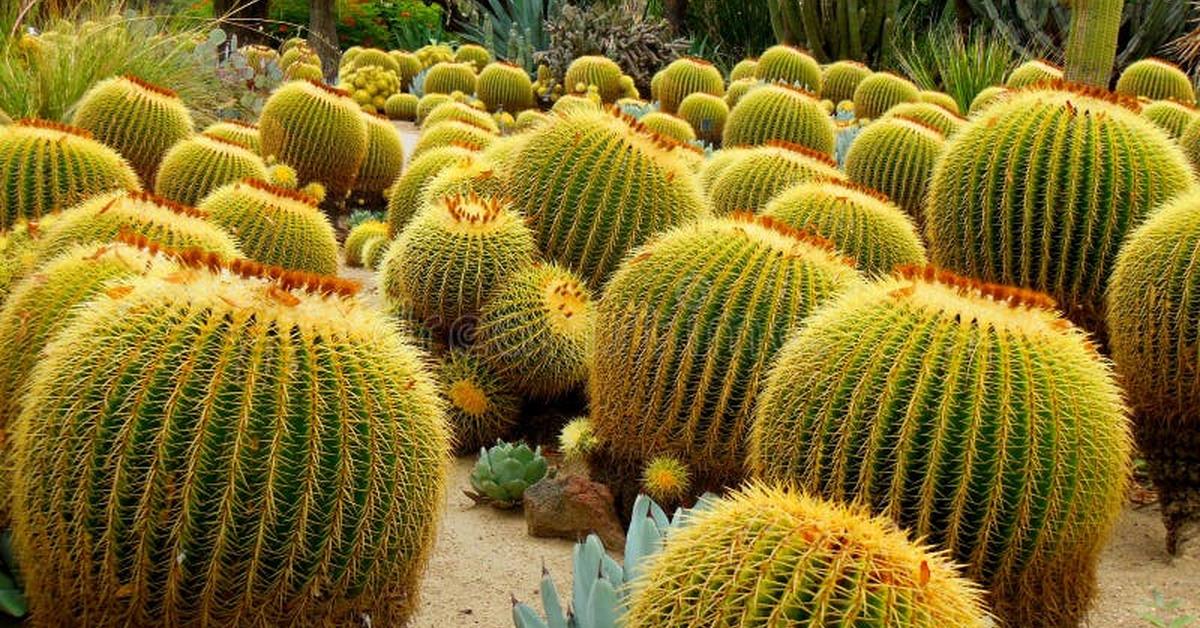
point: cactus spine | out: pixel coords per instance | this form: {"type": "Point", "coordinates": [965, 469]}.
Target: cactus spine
{"type": "Point", "coordinates": [473, 174]}
{"type": "Point", "coordinates": [1033, 72]}
{"type": "Point", "coordinates": [405, 195]}
{"type": "Point", "coordinates": [401, 107]}
{"type": "Point", "coordinates": [686, 76]}
{"type": "Point", "coordinates": [943, 100]}
{"type": "Point", "coordinates": [447, 78]}
{"type": "Point", "coordinates": [743, 69]}
{"type": "Point", "coordinates": [505, 87]}
{"type": "Point", "coordinates": [459, 112]}
{"type": "Point", "coordinates": [946, 122]}
{"type": "Point", "coordinates": [453, 133]}
{"type": "Point", "coordinates": [1171, 116]}
{"type": "Point", "coordinates": [358, 238]}
{"type": "Point", "coordinates": [986, 97]}
{"type": "Point", "coordinates": [896, 156]}
{"type": "Point", "coordinates": [669, 126]}
{"type": "Point", "coordinates": [237, 132]}
{"type": "Point", "coordinates": [882, 91]}
{"type": "Point", "coordinates": [791, 66]}
{"type": "Point", "coordinates": [601, 72]}
{"type": "Point", "coordinates": [477, 56]}
{"type": "Point", "coordinates": [840, 79]}
{"type": "Point", "coordinates": [778, 112]}
{"type": "Point", "coordinates": [482, 409]}
{"type": "Point", "coordinates": [200, 164]}
{"type": "Point", "coordinates": [1157, 80]}
{"type": "Point", "coordinates": [707, 115]}
{"type": "Point", "coordinates": [739, 89]}
{"type": "Point", "coordinates": [1092, 42]}
{"type": "Point", "coordinates": [384, 159]}
{"type": "Point", "coordinates": [758, 174]}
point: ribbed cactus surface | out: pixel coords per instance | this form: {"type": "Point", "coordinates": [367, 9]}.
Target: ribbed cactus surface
{"type": "Point", "coordinates": [756, 175]}
{"type": "Point", "coordinates": [882, 91]}
{"type": "Point", "coordinates": [505, 87]}
{"type": "Point", "coordinates": [707, 115]}
{"type": "Point", "coordinates": [428, 103]}
{"type": "Point", "coordinates": [946, 122]}
{"type": "Point", "coordinates": [477, 56]}
{"type": "Point", "coordinates": [602, 72]}
{"type": "Point", "coordinates": [743, 69]}
{"type": "Point", "coordinates": [1170, 116]}
{"type": "Point", "coordinates": [778, 112]}
{"type": "Point", "coordinates": [401, 107]}
{"type": "Point", "coordinates": [473, 174]}
{"type": "Point", "coordinates": [791, 66]}
{"type": "Point", "coordinates": [453, 132]}
{"type": "Point", "coordinates": [235, 131]}
{"type": "Point", "coordinates": [200, 164]}
{"type": "Point", "coordinates": [410, 67]}
{"type": "Point", "coordinates": [460, 112]}
{"type": "Point", "coordinates": [1033, 72]}
{"type": "Point", "coordinates": [384, 159]}
{"type": "Point", "coordinates": [275, 226]}
{"type": "Point", "coordinates": [841, 78]}
{"type": "Point", "coordinates": [686, 76]}
{"type": "Point", "coordinates": [669, 126]}
{"type": "Point", "coordinates": [896, 156]}
{"type": "Point", "coordinates": [405, 196]}
{"type": "Point", "coordinates": [1157, 80]}
{"type": "Point", "coordinates": [739, 88]}
{"type": "Point", "coordinates": [447, 78]}
{"type": "Point", "coordinates": [358, 238]}
{"type": "Point", "coordinates": [988, 96]}
{"type": "Point", "coordinates": [481, 408]}
{"type": "Point", "coordinates": [972, 414]}
{"type": "Point", "coordinates": [943, 100]}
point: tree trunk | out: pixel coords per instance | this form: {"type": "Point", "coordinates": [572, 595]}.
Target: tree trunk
{"type": "Point", "coordinates": [243, 18]}
{"type": "Point", "coordinates": [322, 35]}
{"type": "Point", "coordinates": [676, 13]}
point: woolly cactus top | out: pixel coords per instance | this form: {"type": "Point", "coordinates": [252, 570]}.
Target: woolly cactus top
{"type": "Point", "coordinates": [473, 214]}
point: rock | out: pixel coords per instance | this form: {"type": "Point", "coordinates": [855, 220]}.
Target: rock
{"type": "Point", "coordinates": [571, 507]}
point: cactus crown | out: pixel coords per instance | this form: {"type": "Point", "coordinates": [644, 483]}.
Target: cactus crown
{"type": "Point", "coordinates": [471, 213]}
{"type": "Point", "coordinates": [468, 396]}
{"type": "Point", "coordinates": [296, 195]}
{"type": "Point", "coordinates": [327, 88]}
{"type": "Point", "coordinates": [165, 203]}
{"type": "Point", "coordinates": [241, 123]}
{"type": "Point", "coordinates": [150, 87]}
{"type": "Point", "coordinates": [782, 236]}
{"type": "Point", "coordinates": [921, 125]}
{"type": "Point", "coordinates": [565, 299]}
{"type": "Point", "coordinates": [1090, 91]}
{"type": "Point", "coordinates": [50, 125]}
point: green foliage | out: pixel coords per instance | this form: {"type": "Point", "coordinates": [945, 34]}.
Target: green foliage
{"type": "Point", "coordinates": [1156, 80]}
{"type": "Point", "coordinates": [940, 57]}
{"type": "Point", "coordinates": [513, 30]}
{"type": "Point", "coordinates": [780, 113]}
{"type": "Point", "coordinates": [791, 66]}
{"type": "Point", "coordinates": [404, 197]}
{"type": "Point", "coordinates": [447, 78]}
{"type": "Point", "coordinates": [882, 91]}
{"type": "Point", "coordinates": [275, 226]}
{"type": "Point", "coordinates": [505, 87]}
{"type": "Point", "coordinates": [403, 24]}
{"type": "Point", "coordinates": [838, 80]}
{"type": "Point", "coordinates": [200, 164]}
{"type": "Point", "coordinates": [1164, 614]}
{"type": "Point", "coordinates": [707, 115]}
{"type": "Point", "coordinates": [482, 408]}
{"type": "Point", "coordinates": [837, 30]}
{"type": "Point", "coordinates": [896, 156]}
{"type": "Point", "coordinates": [503, 472]}
{"type": "Point", "coordinates": [756, 175]}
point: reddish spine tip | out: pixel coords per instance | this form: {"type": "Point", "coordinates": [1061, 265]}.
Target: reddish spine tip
{"type": "Point", "coordinates": [38, 123]}
{"type": "Point", "coordinates": [1001, 293]}
{"type": "Point", "coordinates": [151, 87]}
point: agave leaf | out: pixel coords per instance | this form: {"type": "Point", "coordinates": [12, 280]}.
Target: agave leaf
{"type": "Point", "coordinates": [535, 470]}
{"type": "Point", "coordinates": [603, 608]}
{"type": "Point", "coordinates": [551, 603]}
{"type": "Point", "coordinates": [507, 470]}
{"type": "Point", "coordinates": [586, 557]}
{"type": "Point", "coordinates": [612, 570]}
{"type": "Point", "coordinates": [12, 599]}
{"type": "Point", "coordinates": [514, 490]}
{"type": "Point", "coordinates": [525, 617]}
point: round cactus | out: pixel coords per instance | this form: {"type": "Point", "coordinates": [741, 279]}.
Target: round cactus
{"type": "Point", "coordinates": [385, 156]}
{"type": "Point", "coordinates": [1157, 80]}
{"type": "Point", "coordinates": [669, 126]}
{"type": "Point", "coordinates": [505, 87]}
{"type": "Point", "coordinates": [789, 65]}
{"type": "Point", "coordinates": [292, 42]}
{"type": "Point", "coordinates": [401, 107]}
{"type": "Point", "coordinates": [945, 101]}
{"type": "Point", "coordinates": [602, 72]}
{"type": "Point", "coordinates": [576, 440]}
{"type": "Point", "coordinates": [717, 163]}
{"type": "Point", "coordinates": [882, 91]}
{"type": "Point", "coordinates": [410, 66]}
{"type": "Point", "coordinates": [375, 57]}
{"type": "Point", "coordinates": [304, 72]}
{"type": "Point", "coordinates": [529, 119]}
{"type": "Point", "coordinates": [319, 131]}
{"type": "Point", "coordinates": [200, 164]}
{"type": "Point", "coordinates": [929, 114]}
{"type": "Point", "coordinates": [429, 102]}
{"type": "Point", "coordinates": [102, 218]}
{"type": "Point", "coordinates": [482, 409]}
{"type": "Point", "coordinates": [405, 195]}
{"type": "Point", "coordinates": [707, 115]}
{"type": "Point", "coordinates": [841, 78]}
{"type": "Point", "coordinates": [571, 104]}
{"type": "Point", "coordinates": [1033, 72]}
{"type": "Point", "coordinates": [139, 120]}
{"type": "Point", "coordinates": [861, 223]}
{"type": "Point", "coordinates": [435, 53]}
{"type": "Point", "coordinates": [476, 55]}
{"type": "Point", "coordinates": [765, 554]}
{"type": "Point", "coordinates": [5, 119]}
{"type": "Point", "coordinates": [45, 166]}
{"type": "Point", "coordinates": [447, 78]}
{"type": "Point", "coordinates": [459, 112]}
{"type": "Point", "coordinates": [472, 174]}
{"type": "Point", "coordinates": [444, 263]}
{"type": "Point", "coordinates": [754, 178]}
{"type": "Point", "coordinates": [666, 480]}
{"type": "Point", "coordinates": [246, 422]}
{"type": "Point", "coordinates": [686, 329]}
{"type": "Point", "coordinates": [359, 236]}
{"type": "Point", "coordinates": [978, 418]}
{"type": "Point", "coordinates": [595, 185]}
{"type": "Point", "coordinates": [453, 133]}
{"type": "Point", "coordinates": [373, 252]}
{"type": "Point", "coordinates": [778, 112]}
{"type": "Point", "coordinates": [1171, 116]}
{"type": "Point", "coordinates": [275, 226]}
{"type": "Point", "coordinates": [236, 131]}
{"type": "Point", "coordinates": [686, 76]}
{"type": "Point", "coordinates": [743, 69]}
{"type": "Point", "coordinates": [896, 156]}
{"type": "Point", "coordinates": [988, 96]}
{"type": "Point", "coordinates": [300, 54]}
{"type": "Point", "coordinates": [739, 88]}
{"type": "Point", "coordinates": [1003, 209]}
{"type": "Point", "coordinates": [1153, 316]}
{"type": "Point", "coordinates": [535, 331]}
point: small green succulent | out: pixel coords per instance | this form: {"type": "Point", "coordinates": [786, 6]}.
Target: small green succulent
{"type": "Point", "coordinates": [504, 472]}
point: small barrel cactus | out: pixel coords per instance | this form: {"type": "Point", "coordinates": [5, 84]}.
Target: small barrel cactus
{"type": "Point", "coordinates": [666, 480]}
{"type": "Point", "coordinates": [447, 78]}
{"type": "Point", "coordinates": [401, 107]}
{"type": "Point", "coordinates": [577, 439]}
{"type": "Point", "coordinates": [477, 56]}
{"type": "Point", "coordinates": [304, 72]}
{"type": "Point", "coordinates": [482, 409]}
{"type": "Point", "coordinates": [758, 174]}
{"type": "Point", "coordinates": [410, 66]}
{"type": "Point", "coordinates": [384, 159]}
{"type": "Point", "coordinates": [707, 115]}
{"type": "Point", "coordinates": [405, 195]}
{"type": "Point", "coordinates": [670, 126]}
{"type": "Point", "coordinates": [452, 132]}
{"type": "Point", "coordinates": [686, 75]}
{"type": "Point", "coordinates": [792, 66]}
{"type": "Point", "coordinates": [739, 88]}
{"type": "Point", "coordinates": [236, 131]}
{"type": "Point", "coordinates": [373, 252]}
{"type": "Point", "coordinates": [429, 102]}
{"type": "Point", "coordinates": [841, 78]}
{"type": "Point", "coordinates": [823, 563]}
{"type": "Point", "coordinates": [529, 119]}
{"type": "Point", "coordinates": [882, 91]}
{"type": "Point", "coordinates": [1156, 79]}
{"type": "Point", "coordinates": [433, 54]}
{"type": "Point", "coordinates": [301, 54]}
{"type": "Point", "coordinates": [1170, 116]}
{"type": "Point", "coordinates": [140, 120]}
{"type": "Point", "coordinates": [718, 162]}
{"type": "Point", "coordinates": [778, 112]}
{"type": "Point", "coordinates": [743, 69]}
{"type": "Point", "coordinates": [459, 112]}
{"type": "Point", "coordinates": [473, 174]}
{"type": "Point", "coordinates": [359, 236]}
{"type": "Point", "coordinates": [571, 104]}
{"type": "Point", "coordinates": [987, 97]}
{"type": "Point", "coordinates": [504, 471]}
{"type": "Point", "coordinates": [929, 114]}
{"type": "Point", "coordinates": [601, 72]}
{"type": "Point", "coordinates": [505, 87]}
{"type": "Point", "coordinates": [943, 100]}
{"type": "Point", "coordinates": [896, 156]}
{"type": "Point", "coordinates": [1032, 73]}
{"type": "Point", "coordinates": [978, 418]}
{"type": "Point", "coordinates": [200, 164]}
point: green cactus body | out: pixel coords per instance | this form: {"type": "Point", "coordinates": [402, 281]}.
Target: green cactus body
{"type": "Point", "coordinates": [304, 72]}
{"type": "Point", "coordinates": [453, 133]}
{"type": "Point", "coordinates": [401, 107]}
{"type": "Point", "coordinates": [929, 114]}
{"type": "Point", "coordinates": [744, 69]}
{"type": "Point", "coordinates": [374, 251]}
{"type": "Point", "coordinates": [778, 112]}
{"type": "Point", "coordinates": [789, 65]}
{"type": "Point", "coordinates": [139, 120]}
{"type": "Point", "coordinates": [840, 79]}
{"type": "Point", "coordinates": [200, 164]}
{"type": "Point", "coordinates": [447, 78]}
{"type": "Point", "coordinates": [238, 132]}
{"type": "Point", "coordinates": [670, 126]}
{"type": "Point", "coordinates": [596, 185]}
{"type": "Point", "coordinates": [602, 72]}
{"type": "Point", "coordinates": [478, 56]}
{"type": "Point", "coordinates": [375, 57]}
{"type": "Point", "coordinates": [882, 91]}
{"type": "Point", "coordinates": [359, 236]}
{"type": "Point", "coordinates": [460, 112]}
{"type": "Point", "coordinates": [1092, 41]}
{"type": "Point", "coordinates": [319, 131]}
{"type": "Point", "coordinates": [435, 53]}
{"type": "Point", "coordinates": [717, 163]}
{"type": "Point", "coordinates": [447, 259]}
{"type": "Point", "coordinates": [529, 119]}
{"type": "Point", "coordinates": [861, 223]}
{"type": "Point", "coordinates": [385, 157]}
{"type": "Point", "coordinates": [1157, 80]}
{"type": "Point", "coordinates": [629, 88]}
{"type": "Point", "coordinates": [739, 88]}
{"type": "Point", "coordinates": [759, 174]}
{"type": "Point", "coordinates": [896, 156]}
{"type": "Point", "coordinates": [1171, 116]}
{"type": "Point", "coordinates": [573, 104]}
{"type": "Point", "coordinates": [1033, 72]}
{"type": "Point", "coordinates": [1009, 204]}
{"type": "Point", "coordinates": [298, 55]}
{"type": "Point", "coordinates": [428, 103]}
{"type": "Point", "coordinates": [472, 174]}
{"type": "Point", "coordinates": [505, 87]}
{"type": "Point", "coordinates": [275, 226]}
{"type": "Point", "coordinates": [499, 155]}
{"type": "Point", "coordinates": [707, 115]}
{"type": "Point", "coordinates": [1153, 316]}
{"type": "Point", "coordinates": [241, 453]}
{"type": "Point", "coordinates": [686, 329]}
{"type": "Point", "coordinates": [348, 56]}
{"type": "Point", "coordinates": [482, 408]}
{"type": "Point", "coordinates": [45, 166]}
{"type": "Point", "coordinates": [405, 195]}
{"type": "Point", "coordinates": [987, 97]}
{"type": "Point", "coordinates": [975, 416]}
{"type": "Point", "coordinates": [536, 329]}
{"type": "Point", "coordinates": [102, 218]}
{"type": "Point", "coordinates": [292, 42]}
{"type": "Point", "coordinates": [410, 66]}
{"type": "Point", "coordinates": [764, 554]}
{"type": "Point", "coordinates": [686, 76]}
{"type": "Point", "coordinates": [943, 100]}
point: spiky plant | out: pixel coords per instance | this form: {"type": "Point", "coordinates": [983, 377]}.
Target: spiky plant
{"type": "Point", "coordinates": [758, 174]}
{"type": "Point", "coordinates": [707, 115]}
{"type": "Point", "coordinates": [1000, 210]}
{"type": "Point", "coordinates": [103, 217]}
{"type": "Point", "coordinates": [477, 56]}
{"type": "Point", "coordinates": [200, 164]}
{"type": "Point", "coordinates": [401, 107]}
{"type": "Point", "coordinates": [686, 329]}
{"type": "Point", "coordinates": [771, 556]}
{"type": "Point", "coordinates": [778, 112]}
{"type": "Point", "coordinates": [275, 226]}
{"type": "Point", "coordinates": [987, 97]}
{"type": "Point", "coordinates": [596, 185]}
{"type": "Point", "coordinates": [505, 87]}
{"type": "Point", "coordinates": [718, 162]}
{"type": "Point", "coordinates": [933, 115]}
{"type": "Point", "coordinates": [299, 55]}
{"type": "Point", "coordinates": [1153, 316]}
{"type": "Point", "coordinates": [435, 53]}
{"type": "Point", "coordinates": [535, 331]}
{"type": "Point", "coordinates": [571, 103]}
{"type": "Point", "coordinates": [577, 440]}
{"type": "Point", "coordinates": [482, 408]}
{"type": "Point", "coordinates": [253, 447]}
{"type": "Point", "coordinates": [429, 102]}
{"type": "Point", "coordinates": [452, 254]}
{"type": "Point", "coordinates": [453, 133]}
{"type": "Point", "coordinates": [1157, 80]}
{"type": "Point", "coordinates": [384, 159]}
{"type": "Point", "coordinates": [1007, 443]}
{"type": "Point", "coordinates": [304, 72]}
{"type": "Point", "coordinates": [405, 195]}
{"type": "Point", "coordinates": [686, 75]}
{"type": "Point", "coordinates": [372, 56]}
{"type": "Point", "coordinates": [860, 222]}
{"type": "Point", "coordinates": [882, 91]}
{"type": "Point", "coordinates": [743, 69]}
{"type": "Point", "coordinates": [447, 78]}
{"type": "Point", "coordinates": [410, 66]}
{"type": "Point", "coordinates": [529, 119]}
{"type": "Point", "coordinates": [1170, 116]}
{"type": "Point", "coordinates": [629, 88]}
{"type": "Point", "coordinates": [943, 100]}
{"type": "Point", "coordinates": [1033, 72]}
{"type": "Point", "coordinates": [137, 119]}
{"type": "Point", "coordinates": [601, 72]}
{"type": "Point", "coordinates": [841, 78]}
{"type": "Point", "coordinates": [459, 112]}
{"type": "Point", "coordinates": [236, 131]}
{"type": "Point", "coordinates": [669, 126]}
{"type": "Point", "coordinates": [359, 236]}
{"type": "Point", "coordinates": [319, 131]}
{"type": "Point", "coordinates": [666, 480]}
{"type": "Point", "coordinates": [896, 156]}
{"type": "Point", "coordinates": [46, 166]}
{"type": "Point", "coordinates": [472, 174]}
{"type": "Point", "coordinates": [374, 251]}
{"type": "Point", "coordinates": [739, 88]}
{"type": "Point", "coordinates": [791, 66]}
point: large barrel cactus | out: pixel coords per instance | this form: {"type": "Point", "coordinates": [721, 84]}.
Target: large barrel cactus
{"type": "Point", "coordinates": [686, 76]}
{"type": "Point", "coordinates": [840, 79]}
{"type": "Point", "coordinates": [505, 87]}
{"type": "Point", "coordinates": [764, 554]}
{"type": "Point", "coordinates": [592, 70]}
{"type": "Point", "coordinates": [1157, 80]}
{"type": "Point", "coordinates": [200, 164]}
{"type": "Point", "coordinates": [757, 174]}
{"type": "Point", "coordinates": [224, 449]}
{"type": "Point", "coordinates": [405, 195]}
{"type": "Point", "coordinates": [470, 175]}
{"type": "Point", "coordinates": [1008, 205]}
{"type": "Point", "coordinates": [791, 66]}
{"type": "Point", "coordinates": [973, 415]}
{"type": "Point", "coordinates": [595, 185]}
{"type": "Point", "coordinates": [882, 91]}
{"type": "Point", "coordinates": [140, 120]}
{"type": "Point", "coordinates": [46, 166]}
{"type": "Point", "coordinates": [447, 78]}
{"type": "Point", "coordinates": [1170, 116]}
{"type": "Point", "coordinates": [896, 156]}
{"type": "Point", "coordinates": [778, 112]}
{"type": "Point", "coordinates": [686, 329]}
{"type": "Point", "coordinates": [384, 159]}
